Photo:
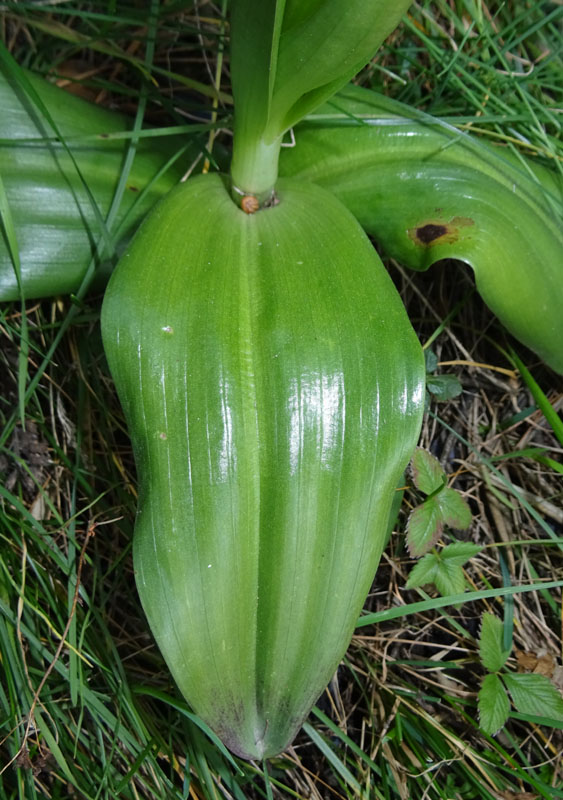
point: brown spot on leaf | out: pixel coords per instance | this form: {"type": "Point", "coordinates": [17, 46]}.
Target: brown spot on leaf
{"type": "Point", "coordinates": [439, 232]}
{"type": "Point", "coordinates": [428, 233]}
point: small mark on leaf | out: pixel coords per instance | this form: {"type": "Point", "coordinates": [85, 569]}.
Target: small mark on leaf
{"type": "Point", "coordinates": [133, 188]}
{"type": "Point", "coordinates": [428, 233]}
{"type": "Point", "coordinates": [168, 329]}
{"type": "Point", "coordinates": [439, 232]}
{"type": "Point", "coordinates": [163, 436]}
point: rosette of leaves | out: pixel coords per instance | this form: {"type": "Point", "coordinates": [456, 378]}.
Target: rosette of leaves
{"type": "Point", "coordinates": [245, 351]}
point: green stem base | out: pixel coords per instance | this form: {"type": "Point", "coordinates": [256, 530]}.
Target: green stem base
{"type": "Point", "coordinates": [254, 169]}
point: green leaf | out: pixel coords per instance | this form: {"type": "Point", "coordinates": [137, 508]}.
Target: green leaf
{"type": "Point", "coordinates": [493, 705]}
{"type": "Point", "coordinates": [458, 553]}
{"type": "Point", "coordinates": [423, 572]}
{"type": "Point", "coordinates": [255, 32]}
{"type": "Point", "coordinates": [454, 509]}
{"type": "Point", "coordinates": [262, 510]}
{"type": "Point", "coordinates": [323, 44]}
{"type": "Point", "coordinates": [534, 694]}
{"type": "Point", "coordinates": [333, 759]}
{"type": "Point", "coordinates": [443, 387]}
{"type": "Point", "coordinates": [449, 577]}
{"type": "Point", "coordinates": [8, 233]}
{"type": "Point", "coordinates": [398, 495]}
{"type": "Point", "coordinates": [468, 196]}
{"type": "Point", "coordinates": [491, 652]}
{"type": "Point", "coordinates": [427, 473]}
{"type": "Point", "coordinates": [424, 527]}
{"type": "Point", "coordinates": [442, 569]}
{"type": "Point", "coordinates": [61, 209]}
{"type": "Point", "coordinates": [431, 361]}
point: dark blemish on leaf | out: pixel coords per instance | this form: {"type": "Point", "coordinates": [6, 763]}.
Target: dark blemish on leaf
{"type": "Point", "coordinates": [104, 135]}
{"type": "Point", "coordinates": [433, 232]}
{"type": "Point", "coordinates": [133, 188]}
{"type": "Point", "coordinates": [428, 233]}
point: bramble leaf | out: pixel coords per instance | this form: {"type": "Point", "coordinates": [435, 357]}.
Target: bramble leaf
{"type": "Point", "coordinates": [493, 705]}
{"type": "Point", "coordinates": [427, 474]}
{"type": "Point", "coordinates": [443, 569]}
{"type": "Point", "coordinates": [491, 652]}
{"type": "Point", "coordinates": [423, 572]}
{"type": "Point", "coordinates": [454, 509]}
{"type": "Point", "coordinates": [534, 694]}
{"type": "Point", "coordinates": [458, 553]}
{"type": "Point", "coordinates": [449, 578]}
{"type": "Point", "coordinates": [424, 527]}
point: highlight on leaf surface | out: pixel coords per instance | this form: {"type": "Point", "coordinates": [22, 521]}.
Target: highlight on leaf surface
{"type": "Point", "coordinates": [499, 213]}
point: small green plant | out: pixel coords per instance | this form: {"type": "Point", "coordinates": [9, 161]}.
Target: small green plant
{"type": "Point", "coordinates": [442, 387]}
{"type": "Point", "coordinates": [532, 694]}
{"type": "Point", "coordinates": [443, 506]}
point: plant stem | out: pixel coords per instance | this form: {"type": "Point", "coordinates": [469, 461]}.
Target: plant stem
{"type": "Point", "coordinates": [254, 169]}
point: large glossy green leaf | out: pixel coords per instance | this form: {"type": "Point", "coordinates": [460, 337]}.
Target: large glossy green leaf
{"type": "Point", "coordinates": [57, 227]}
{"type": "Point", "coordinates": [426, 191]}
{"type": "Point", "coordinates": [273, 388]}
